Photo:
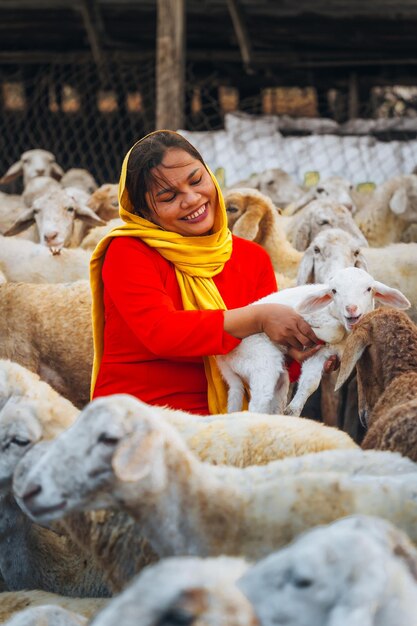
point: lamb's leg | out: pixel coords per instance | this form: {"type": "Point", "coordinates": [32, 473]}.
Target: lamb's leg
{"type": "Point", "coordinates": [310, 377]}
{"type": "Point", "coordinates": [262, 392]}
{"type": "Point", "coordinates": [281, 393]}
{"type": "Point", "coordinates": [236, 388]}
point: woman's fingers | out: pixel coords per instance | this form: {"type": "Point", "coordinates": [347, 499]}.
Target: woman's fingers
{"type": "Point", "coordinates": [302, 355]}
{"type": "Point", "coordinates": [306, 331]}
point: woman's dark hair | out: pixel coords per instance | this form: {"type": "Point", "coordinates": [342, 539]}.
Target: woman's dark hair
{"type": "Point", "coordinates": [146, 155]}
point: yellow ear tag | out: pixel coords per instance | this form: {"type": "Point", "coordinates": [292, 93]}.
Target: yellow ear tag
{"type": "Point", "coordinates": [220, 175]}
{"type": "Point", "coordinates": [311, 178]}
{"type": "Point", "coordinates": [365, 187]}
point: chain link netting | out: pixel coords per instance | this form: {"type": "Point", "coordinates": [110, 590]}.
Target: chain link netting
{"type": "Point", "coordinates": [89, 117]}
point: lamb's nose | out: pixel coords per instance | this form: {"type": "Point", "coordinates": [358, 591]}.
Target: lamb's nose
{"type": "Point", "coordinates": [40, 172]}
{"type": "Point", "coordinates": [49, 237]}
{"type": "Point", "coordinates": [32, 490]}
{"type": "Point", "coordinates": [351, 309]}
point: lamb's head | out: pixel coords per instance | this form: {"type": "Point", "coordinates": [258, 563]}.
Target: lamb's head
{"type": "Point", "coordinates": [330, 251]}
{"type": "Point", "coordinates": [187, 590]}
{"type": "Point", "coordinates": [116, 439]}
{"type": "Point", "coordinates": [31, 164]}
{"type": "Point", "coordinates": [334, 188]}
{"type": "Point", "coordinates": [55, 213]}
{"type": "Point", "coordinates": [79, 178]}
{"type": "Point", "coordinates": [403, 201]}
{"type": "Point", "coordinates": [104, 201]}
{"type": "Point", "coordinates": [353, 292]}
{"type": "Point", "coordinates": [319, 579]}
{"type": "Point", "coordinates": [248, 210]}
{"type": "Point", "coordinates": [320, 215]}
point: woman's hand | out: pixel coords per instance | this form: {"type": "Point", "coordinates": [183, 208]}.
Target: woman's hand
{"type": "Point", "coordinates": [285, 326]}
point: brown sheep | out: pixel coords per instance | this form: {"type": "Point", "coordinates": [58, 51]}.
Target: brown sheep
{"type": "Point", "coordinates": [104, 202]}
{"type": "Point", "coordinates": [383, 346]}
{"type": "Point", "coordinates": [253, 216]}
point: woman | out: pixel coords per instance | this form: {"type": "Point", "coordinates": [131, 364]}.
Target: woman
{"type": "Point", "coordinates": [171, 286]}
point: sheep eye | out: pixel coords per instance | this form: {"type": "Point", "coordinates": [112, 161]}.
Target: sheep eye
{"type": "Point", "coordinates": [115, 204]}
{"type": "Point", "coordinates": [369, 289]}
{"type": "Point", "coordinates": [108, 440]}
{"type": "Point", "coordinates": [303, 583]}
{"type": "Point", "coordinates": [333, 290]}
{"type": "Point", "coordinates": [324, 222]}
{"type": "Point", "coordinates": [18, 441]}
{"type": "Point", "coordinates": [176, 617]}
{"type": "Point", "coordinates": [317, 249]}
{"type": "Point", "coordinates": [36, 211]}
{"type": "Point", "coordinates": [356, 253]}
{"type": "Point", "coordinates": [320, 190]}
{"type": "Point", "coordinates": [70, 209]}
{"type": "Point", "coordinates": [232, 209]}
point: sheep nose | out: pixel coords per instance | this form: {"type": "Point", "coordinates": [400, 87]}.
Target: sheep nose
{"type": "Point", "coordinates": [49, 237]}
{"type": "Point", "coordinates": [351, 309]}
{"type": "Point", "coordinates": [32, 490]}
{"type": "Point", "coordinates": [40, 172]}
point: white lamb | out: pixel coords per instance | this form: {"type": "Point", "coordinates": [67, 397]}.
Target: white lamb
{"type": "Point", "coordinates": [260, 363]}
{"type": "Point", "coordinates": [31, 164]}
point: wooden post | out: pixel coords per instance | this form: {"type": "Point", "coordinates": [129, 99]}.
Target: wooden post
{"type": "Point", "coordinates": [170, 64]}
{"type": "Point", "coordinates": [353, 97]}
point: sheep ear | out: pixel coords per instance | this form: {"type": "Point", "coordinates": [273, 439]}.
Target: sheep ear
{"type": "Point", "coordinates": [26, 219]}
{"type": "Point", "coordinates": [84, 213]}
{"type": "Point", "coordinates": [247, 226]}
{"type": "Point", "coordinates": [315, 302]}
{"type": "Point", "coordinates": [361, 262]}
{"type": "Point", "coordinates": [398, 202]}
{"type": "Point", "coordinates": [12, 173]}
{"type": "Point", "coordinates": [389, 296]}
{"type": "Point", "coordinates": [356, 345]}
{"type": "Point", "coordinates": [306, 268]}
{"type": "Point", "coordinates": [135, 455]}
{"type": "Point", "coordinates": [56, 171]}
{"type": "Point", "coordinates": [294, 207]}
{"type": "Point", "coordinates": [302, 238]}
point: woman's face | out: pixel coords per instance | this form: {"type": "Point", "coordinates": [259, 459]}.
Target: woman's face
{"type": "Point", "coordinates": [183, 198]}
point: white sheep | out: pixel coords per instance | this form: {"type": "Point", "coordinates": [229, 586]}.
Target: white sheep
{"type": "Point", "coordinates": [28, 262]}
{"type": "Point", "coordinates": [98, 232]}
{"type": "Point", "coordinates": [260, 363]}
{"type": "Point", "coordinates": [390, 210]}
{"type": "Point", "coordinates": [13, 603]}
{"type": "Point", "coordinates": [54, 214]}
{"type": "Point", "coordinates": [187, 507]}
{"type": "Point", "coordinates": [357, 571]}
{"type": "Point", "coordinates": [183, 590]}
{"type": "Point", "coordinates": [80, 178]}
{"type": "Point", "coordinates": [31, 164]}
{"type": "Point", "coordinates": [335, 188]}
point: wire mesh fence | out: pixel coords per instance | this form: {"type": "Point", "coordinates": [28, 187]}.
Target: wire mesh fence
{"type": "Point", "coordinates": [89, 117]}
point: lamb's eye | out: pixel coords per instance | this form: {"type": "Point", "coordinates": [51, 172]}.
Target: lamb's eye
{"type": "Point", "coordinates": [20, 441]}
{"type": "Point", "coordinates": [176, 617]}
{"type": "Point", "coordinates": [320, 190]}
{"type": "Point", "coordinates": [316, 249]}
{"type": "Point", "coordinates": [324, 222]}
{"type": "Point", "coordinates": [369, 289]}
{"type": "Point", "coordinates": [334, 291]}
{"type": "Point", "coordinates": [357, 252]}
{"type": "Point", "coordinates": [36, 211]}
{"type": "Point", "coordinates": [232, 209]}
{"type": "Point", "coordinates": [302, 583]}
{"type": "Point", "coordinates": [70, 209]}
{"type": "Point", "coordinates": [108, 440]}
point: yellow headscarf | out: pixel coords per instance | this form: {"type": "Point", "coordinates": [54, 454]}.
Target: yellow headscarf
{"type": "Point", "coordinates": [196, 261]}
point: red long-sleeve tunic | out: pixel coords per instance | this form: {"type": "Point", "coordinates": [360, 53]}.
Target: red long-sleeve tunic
{"type": "Point", "coordinates": [153, 349]}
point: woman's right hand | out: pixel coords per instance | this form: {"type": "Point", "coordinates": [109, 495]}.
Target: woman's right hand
{"type": "Point", "coordinates": [285, 326]}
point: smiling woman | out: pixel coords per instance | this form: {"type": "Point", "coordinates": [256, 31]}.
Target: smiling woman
{"type": "Point", "coordinates": [171, 286]}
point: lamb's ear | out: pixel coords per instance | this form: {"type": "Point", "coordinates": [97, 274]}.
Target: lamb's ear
{"type": "Point", "coordinates": [306, 268]}
{"type": "Point", "coordinates": [315, 302]}
{"type": "Point", "coordinates": [390, 297]}
{"type": "Point", "coordinates": [302, 238]}
{"type": "Point", "coordinates": [25, 219]}
{"type": "Point", "coordinates": [294, 207]}
{"type": "Point", "coordinates": [12, 173]}
{"type": "Point", "coordinates": [84, 213]}
{"type": "Point", "coordinates": [56, 171]}
{"type": "Point", "coordinates": [399, 200]}
{"type": "Point", "coordinates": [356, 345]}
{"type": "Point", "coordinates": [135, 456]}
{"type": "Point", "coordinates": [247, 226]}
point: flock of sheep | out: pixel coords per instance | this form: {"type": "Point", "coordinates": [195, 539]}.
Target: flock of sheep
{"type": "Point", "coordinates": [117, 512]}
